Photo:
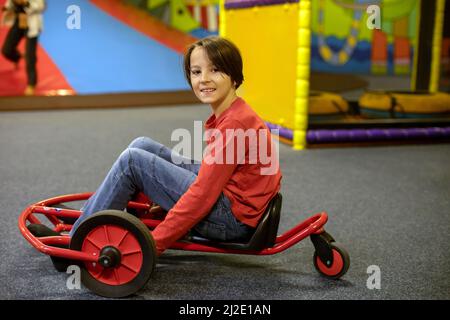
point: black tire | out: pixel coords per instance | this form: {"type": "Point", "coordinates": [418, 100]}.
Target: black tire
{"type": "Point", "coordinates": [132, 228]}
{"type": "Point", "coordinates": [340, 265]}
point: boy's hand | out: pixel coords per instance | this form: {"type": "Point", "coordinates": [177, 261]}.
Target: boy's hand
{"type": "Point", "coordinates": [23, 21]}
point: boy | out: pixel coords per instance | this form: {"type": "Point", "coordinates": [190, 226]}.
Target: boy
{"type": "Point", "coordinates": [224, 197]}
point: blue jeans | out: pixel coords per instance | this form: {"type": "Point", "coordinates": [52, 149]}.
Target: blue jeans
{"type": "Point", "coordinates": [149, 167]}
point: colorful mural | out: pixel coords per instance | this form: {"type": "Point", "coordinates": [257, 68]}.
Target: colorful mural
{"type": "Point", "coordinates": [343, 42]}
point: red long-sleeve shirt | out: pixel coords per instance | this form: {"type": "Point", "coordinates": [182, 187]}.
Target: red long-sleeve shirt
{"type": "Point", "coordinates": [248, 175]}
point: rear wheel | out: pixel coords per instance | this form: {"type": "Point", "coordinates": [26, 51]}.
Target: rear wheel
{"type": "Point", "coordinates": [126, 251]}
{"type": "Point", "coordinates": [338, 267]}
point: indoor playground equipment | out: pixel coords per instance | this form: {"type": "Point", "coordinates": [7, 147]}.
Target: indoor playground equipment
{"type": "Point", "coordinates": [284, 64]}
{"type": "Point", "coordinates": [326, 105]}
{"type": "Point", "coordinates": [205, 12]}
{"type": "Point", "coordinates": [424, 101]}
{"type": "Point", "coordinates": [342, 41]}
{"type": "Point", "coordinates": [341, 56]}
{"type": "Point", "coordinates": [121, 30]}
{"type": "Point", "coordinates": [116, 252]}
{"type": "Point", "coordinates": [397, 104]}
{"type": "Point", "coordinates": [281, 52]}
{"type": "Point", "coordinates": [197, 17]}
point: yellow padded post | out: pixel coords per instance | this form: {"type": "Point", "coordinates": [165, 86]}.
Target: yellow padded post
{"type": "Point", "coordinates": [222, 19]}
{"type": "Point", "coordinates": [437, 42]}
{"type": "Point", "coordinates": [303, 70]}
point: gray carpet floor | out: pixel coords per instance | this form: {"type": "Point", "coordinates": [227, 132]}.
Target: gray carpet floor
{"type": "Point", "coordinates": [388, 205]}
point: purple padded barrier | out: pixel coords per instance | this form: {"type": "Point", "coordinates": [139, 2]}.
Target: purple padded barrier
{"type": "Point", "coordinates": [239, 4]}
{"type": "Point", "coordinates": [359, 135]}
{"type": "Point", "coordinates": [363, 135]}
{"type": "Point", "coordinates": [283, 132]}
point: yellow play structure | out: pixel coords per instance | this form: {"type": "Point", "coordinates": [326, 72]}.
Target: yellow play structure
{"type": "Point", "coordinates": [275, 45]}
{"type": "Point", "coordinates": [274, 37]}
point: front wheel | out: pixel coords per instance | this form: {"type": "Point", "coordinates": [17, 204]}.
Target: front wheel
{"type": "Point", "coordinates": [126, 251]}
{"type": "Point", "coordinates": [339, 266]}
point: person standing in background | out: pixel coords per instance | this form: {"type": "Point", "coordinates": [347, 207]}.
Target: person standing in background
{"type": "Point", "coordinates": [25, 19]}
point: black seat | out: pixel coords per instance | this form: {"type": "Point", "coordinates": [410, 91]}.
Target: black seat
{"type": "Point", "coordinates": [265, 233]}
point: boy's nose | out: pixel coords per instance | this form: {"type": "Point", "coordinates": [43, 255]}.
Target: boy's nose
{"type": "Point", "coordinates": [205, 77]}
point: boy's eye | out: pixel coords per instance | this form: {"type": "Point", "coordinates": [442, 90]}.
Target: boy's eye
{"type": "Point", "coordinates": [195, 72]}
{"type": "Point", "coordinates": [215, 70]}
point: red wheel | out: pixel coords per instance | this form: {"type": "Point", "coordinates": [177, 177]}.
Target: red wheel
{"type": "Point", "coordinates": [340, 265]}
{"type": "Point", "coordinates": [126, 252]}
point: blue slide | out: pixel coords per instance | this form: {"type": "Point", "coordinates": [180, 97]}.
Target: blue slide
{"type": "Point", "coordinates": [105, 55]}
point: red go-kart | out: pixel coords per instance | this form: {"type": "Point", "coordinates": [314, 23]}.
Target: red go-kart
{"type": "Point", "coordinates": [116, 252]}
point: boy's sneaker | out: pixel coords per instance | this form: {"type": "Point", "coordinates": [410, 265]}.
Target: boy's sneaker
{"type": "Point", "coordinates": [40, 230]}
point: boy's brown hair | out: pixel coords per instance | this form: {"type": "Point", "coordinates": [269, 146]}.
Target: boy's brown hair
{"type": "Point", "coordinates": [224, 55]}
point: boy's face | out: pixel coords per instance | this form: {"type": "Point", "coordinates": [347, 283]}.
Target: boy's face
{"type": "Point", "coordinates": [210, 85]}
